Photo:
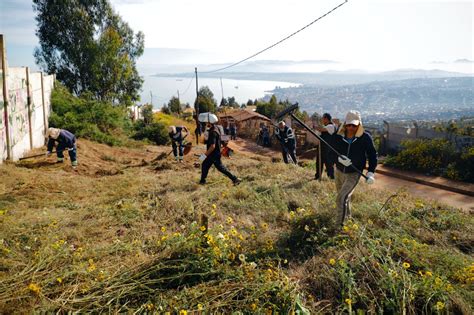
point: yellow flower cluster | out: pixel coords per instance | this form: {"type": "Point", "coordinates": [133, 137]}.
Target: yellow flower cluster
{"type": "Point", "coordinates": [33, 287]}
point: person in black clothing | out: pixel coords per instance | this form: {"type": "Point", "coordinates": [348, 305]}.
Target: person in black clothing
{"type": "Point", "coordinates": [213, 153]}
{"type": "Point", "coordinates": [233, 132]}
{"type": "Point", "coordinates": [66, 141]}
{"type": "Point", "coordinates": [287, 140]}
{"type": "Point", "coordinates": [358, 147]}
{"type": "Point", "coordinates": [328, 157]}
{"type": "Point", "coordinates": [176, 135]}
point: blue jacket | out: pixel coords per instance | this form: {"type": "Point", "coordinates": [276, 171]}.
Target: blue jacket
{"type": "Point", "coordinates": [65, 140]}
{"type": "Point", "coordinates": [359, 151]}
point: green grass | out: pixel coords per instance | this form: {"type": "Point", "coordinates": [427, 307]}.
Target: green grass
{"type": "Point", "coordinates": [139, 241]}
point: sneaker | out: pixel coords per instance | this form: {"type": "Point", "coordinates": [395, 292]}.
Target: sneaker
{"type": "Point", "coordinates": [202, 182]}
{"type": "Point", "coordinates": [74, 163]}
{"type": "Point", "coordinates": [237, 181]}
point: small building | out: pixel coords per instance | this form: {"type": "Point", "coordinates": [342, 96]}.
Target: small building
{"type": "Point", "coordinates": [248, 123]}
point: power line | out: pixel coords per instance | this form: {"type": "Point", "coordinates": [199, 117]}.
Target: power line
{"type": "Point", "coordinates": [189, 85]}
{"type": "Point", "coordinates": [280, 41]}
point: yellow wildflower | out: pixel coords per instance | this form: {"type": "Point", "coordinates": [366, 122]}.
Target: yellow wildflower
{"type": "Point", "coordinates": [199, 306]}
{"type": "Point", "coordinates": [253, 306]}
{"type": "Point", "coordinates": [406, 265]}
{"type": "Point", "coordinates": [33, 287]}
{"type": "Point", "coordinates": [183, 312]}
{"type": "Point", "coordinates": [203, 228]}
{"type": "Point", "coordinates": [348, 302]}
{"type": "Point", "coordinates": [213, 213]}
{"type": "Point", "coordinates": [214, 206]}
{"type": "Point", "coordinates": [292, 214]}
{"type": "Point", "coordinates": [264, 225]}
{"type": "Point", "coordinates": [163, 229]}
{"type": "Point", "coordinates": [439, 305]}
{"type": "Point", "coordinates": [229, 220]}
{"type": "Point", "coordinates": [59, 280]}
{"type": "Point", "coordinates": [428, 274]}
{"type": "Point", "coordinates": [332, 261]}
{"type": "Point", "coordinates": [355, 226]}
{"type": "Point", "coordinates": [2, 212]}
{"type": "Point", "coordinates": [345, 228]}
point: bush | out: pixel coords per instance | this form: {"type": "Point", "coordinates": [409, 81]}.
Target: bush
{"type": "Point", "coordinates": [437, 157]}
{"type": "Point", "coordinates": [85, 117]}
{"type": "Point", "coordinates": [155, 132]}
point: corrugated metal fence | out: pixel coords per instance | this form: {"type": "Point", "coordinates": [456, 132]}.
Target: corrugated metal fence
{"type": "Point", "coordinates": [24, 108]}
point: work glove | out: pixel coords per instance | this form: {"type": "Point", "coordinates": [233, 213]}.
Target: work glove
{"type": "Point", "coordinates": [370, 178]}
{"type": "Point", "coordinates": [344, 160]}
{"type": "Point", "coordinates": [202, 157]}
{"type": "Point", "coordinates": [48, 153]}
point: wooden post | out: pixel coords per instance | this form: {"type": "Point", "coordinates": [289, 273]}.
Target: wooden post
{"type": "Point", "coordinates": [45, 120]}
{"type": "Point", "coordinates": [29, 94]}
{"type": "Point", "coordinates": [5, 95]}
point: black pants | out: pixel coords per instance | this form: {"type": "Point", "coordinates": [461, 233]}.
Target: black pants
{"type": "Point", "coordinates": [177, 145]}
{"type": "Point", "coordinates": [216, 161]}
{"type": "Point", "coordinates": [288, 149]}
{"type": "Point", "coordinates": [328, 159]}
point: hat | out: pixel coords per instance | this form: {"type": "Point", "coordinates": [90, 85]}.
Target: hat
{"type": "Point", "coordinates": [53, 133]}
{"type": "Point", "coordinates": [208, 117]}
{"type": "Point", "coordinates": [352, 118]}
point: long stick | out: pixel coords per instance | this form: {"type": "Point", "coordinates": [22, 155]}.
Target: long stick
{"type": "Point", "coordinates": [34, 156]}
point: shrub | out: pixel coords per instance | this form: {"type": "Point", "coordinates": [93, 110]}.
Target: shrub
{"type": "Point", "coordinates": [437, 157]}
{"type": "Point", "coordinates": [85, 117]}
{"type": "Point", "coordinates": [155, 132]}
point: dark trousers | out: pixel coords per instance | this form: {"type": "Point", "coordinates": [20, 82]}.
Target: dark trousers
{"type": "Point", "coordinates": [288, 149]}
{"type": "Point", "coordinates": [328, 159]}
{"type": "Point", "coordinates": [72, 152]}
{"type": "Point", "coordinates": [177, 145]}
{"type": "Point", "coordinates": [216, 161]}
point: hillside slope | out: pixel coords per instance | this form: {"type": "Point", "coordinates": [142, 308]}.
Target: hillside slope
{"type": "Point", "coordinates": [125, 233]}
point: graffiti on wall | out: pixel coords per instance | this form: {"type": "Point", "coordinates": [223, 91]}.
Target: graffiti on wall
{"type": "Point", "coordinates": [18, 111]}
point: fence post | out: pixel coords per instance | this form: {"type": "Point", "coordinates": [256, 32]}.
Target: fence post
{"type": "Point", "coordinates": [45, 121]}
{"type": "Point", "coordinates": [5, 94]}
{"type": "Point", "coordinates": [28, 89]}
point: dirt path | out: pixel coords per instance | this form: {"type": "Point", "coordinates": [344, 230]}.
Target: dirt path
{"type": "Point", "coordinates": [382, 182]}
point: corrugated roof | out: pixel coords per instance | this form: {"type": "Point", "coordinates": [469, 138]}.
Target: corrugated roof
{"type": "Point", "coordinates": [244, 115]}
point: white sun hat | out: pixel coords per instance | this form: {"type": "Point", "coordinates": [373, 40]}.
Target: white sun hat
{"type": "Point", "coordinates": [208, 117]}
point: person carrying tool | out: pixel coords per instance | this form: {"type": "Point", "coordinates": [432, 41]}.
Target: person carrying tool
{"type": "Point", "coordinates": [328, 157]}
{"type": "Point", "coordinates": [287, 140]}
{"type": "Point", "coordinates": [213, 153]}
{"type": "Point", "coordinates": [176, 135]}
{"type": "Point", "coordinates": [66, 141]}
{"type": "Point", "coordinates": [358, 147]}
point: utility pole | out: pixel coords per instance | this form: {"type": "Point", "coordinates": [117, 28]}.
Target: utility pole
{"type": "Point", "coordinates": [222, 89]}
{"type": "Point", "coordinates": [196, 108]}
{"type": "Point", "coordinates": [179, 107]}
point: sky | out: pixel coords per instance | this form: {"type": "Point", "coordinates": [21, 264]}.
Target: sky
{"type": "Point", "coordinates": [373, 35]}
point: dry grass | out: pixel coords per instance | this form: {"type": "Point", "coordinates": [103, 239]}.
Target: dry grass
{"type": "Point", "coordinates": [123, 233]}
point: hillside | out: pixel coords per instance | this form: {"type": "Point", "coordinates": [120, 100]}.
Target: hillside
{"type": "Point", "coordinates": [124, 233]}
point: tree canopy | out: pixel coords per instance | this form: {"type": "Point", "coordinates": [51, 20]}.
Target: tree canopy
{"type": "Point", "coordinates": [205, 100]}
{"type": "Point", "coordinates": [89, 48]}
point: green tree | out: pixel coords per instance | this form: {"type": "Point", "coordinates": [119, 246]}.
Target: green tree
{"type": "Point", "coordinates": [224, 102]}
{"type": "Point", "coordinates": [249, 102]}
{"type": "Point", "coordinates": [174, 105]}
{"type": "Point", "coordinates": [206, 101]}
{"type": "Point", "coordinates": [89, 48]}
{"type": "Point", "coordinates": [147, 114]}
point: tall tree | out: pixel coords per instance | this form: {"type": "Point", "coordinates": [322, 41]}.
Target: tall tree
{"type": "Point", "coordinates": [89, 48]}
{"type": "Point", "coordinates": [205, 100]}
{"type": "Point", "coordinates": [174, 105]}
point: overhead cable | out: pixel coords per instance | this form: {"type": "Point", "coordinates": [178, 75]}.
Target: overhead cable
{"type": "Point", "coordinates": [279, 42]}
